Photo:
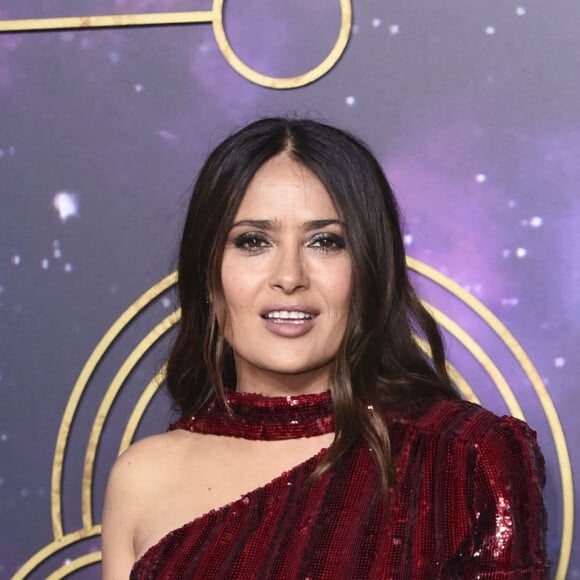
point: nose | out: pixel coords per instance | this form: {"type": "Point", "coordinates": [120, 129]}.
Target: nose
{"type": "Point", "coordinates": [289, 273]}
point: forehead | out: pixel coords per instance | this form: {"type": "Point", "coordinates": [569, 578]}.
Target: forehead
{"type": "Point", "coordinates": [283, 188]}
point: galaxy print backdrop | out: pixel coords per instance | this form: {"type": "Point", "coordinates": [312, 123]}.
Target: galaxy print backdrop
{"type": "Point", "coordinates": [474, 111]}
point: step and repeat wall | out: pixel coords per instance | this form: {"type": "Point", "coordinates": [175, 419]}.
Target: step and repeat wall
{"type": "Point", "coordinates": [107, 110]}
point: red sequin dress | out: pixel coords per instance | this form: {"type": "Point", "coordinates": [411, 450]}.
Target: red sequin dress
{"type": "Point", "coordinates": [467, 503]}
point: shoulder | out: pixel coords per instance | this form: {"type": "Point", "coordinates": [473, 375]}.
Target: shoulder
{"type": "Point", "coordinates": [469, 423]}
{"type": "Point", "coordinates": [484, 437]}
{"type": "Point", "coordinates": [135, 470]}
{"type": "Point", "coordinates": [138, 476]}
{"type": "Point", "coordinates": [488, 475]}
{"type": "Point", "coordinates": [147, 461]}
{"type": "Point", "coordinates": [145, 469]}
{"type": "Point", "coordinates": [496, 473]}
{"type": "Point", "coordinates": [135, 481]}
{"type": "Point", "coordinates": [140, 455]}
{"type": "Point", "coordinates": [465, 434]}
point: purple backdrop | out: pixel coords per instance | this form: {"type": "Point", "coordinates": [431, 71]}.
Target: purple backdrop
{"type": "Point", "coordinates": [474, 111]}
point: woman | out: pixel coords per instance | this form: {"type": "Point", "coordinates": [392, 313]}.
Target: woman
{"type": "Point", "coordinates": [316, 439]}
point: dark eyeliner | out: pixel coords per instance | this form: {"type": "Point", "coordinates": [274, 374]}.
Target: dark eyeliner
{"type": "Point", "coordinates": [338, 241]}
{"type": "Point", "coordinates": [244, 241]}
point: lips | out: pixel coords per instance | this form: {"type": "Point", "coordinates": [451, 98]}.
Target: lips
{"type": "Point", "coordinates": [289, 322]}
{"type": "Point", "coordinates": [288, 316]}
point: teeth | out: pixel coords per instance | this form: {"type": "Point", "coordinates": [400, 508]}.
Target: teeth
{"type": "Point", "coordinates": [293, 315]}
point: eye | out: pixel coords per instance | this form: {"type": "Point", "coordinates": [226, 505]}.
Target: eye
{"type": "Point", "coordinates": [326, 242]}
{"type": "Point", "coordinates": [252, 241]}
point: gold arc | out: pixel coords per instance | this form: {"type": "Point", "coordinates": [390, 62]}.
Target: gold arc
{"type": "Point", "coordinates": [106, 21]}
{"type": "Point", "coordinates": [139, 410]}
{"type": "Point", "coordinates": [496, 325]}
{"type": "Point", "coordinates": [541, 391]}
{"type": "Point", "coordinates": [112, 391]}
{"type": "Point", "coordinates": [56, 546]}
{"type": "Point", "coordinates": [482, 358]}
{"type": "Point", "coordinates": [76, 564]}
{"type": "Point", "coordinates": [78, 391]}
{"type": "Point", "coordinates": [454, 374]}
{"type": "Point", "coordinates": [283, 82]}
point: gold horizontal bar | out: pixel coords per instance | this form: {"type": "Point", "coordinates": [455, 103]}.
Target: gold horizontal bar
{"type": "Point", "coordinates": [113, 20]}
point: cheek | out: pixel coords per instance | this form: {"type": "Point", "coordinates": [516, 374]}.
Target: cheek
{"type": "Point", "coordinates": [232, 286]}
{"type": "Point", "coordinates": [344, 286]}
{"type": "Point", "coordinates": [238, 299]}
{"type": "Point", "coordinates": [338, 290]}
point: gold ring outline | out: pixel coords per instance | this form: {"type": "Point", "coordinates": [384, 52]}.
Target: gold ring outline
{"type": "Point", "coordinates": [283, 82]}
{"type": "Point", "coordinates": [214, 16]}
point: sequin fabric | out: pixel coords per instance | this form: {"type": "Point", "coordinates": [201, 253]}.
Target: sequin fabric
{"type": "Point", "coordinates": [267, 418]}
{"type": "Point", "coordinates": [467, 503]}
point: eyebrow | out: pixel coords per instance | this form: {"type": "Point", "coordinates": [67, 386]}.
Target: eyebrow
{"type": "Point", "coordinates": [273, 224]}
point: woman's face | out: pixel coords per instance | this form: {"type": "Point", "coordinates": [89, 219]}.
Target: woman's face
{"type": "Point", "coordinates": [286, 277]}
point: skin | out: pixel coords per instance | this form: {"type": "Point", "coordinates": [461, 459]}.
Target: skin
{"type": "Point", "coordinates": [285, 250]}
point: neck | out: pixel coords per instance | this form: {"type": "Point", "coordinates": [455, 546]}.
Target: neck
{"type": "Point", "coordinates": [272, 384]}
{"type": "Point", "coordinates": [268, 418]}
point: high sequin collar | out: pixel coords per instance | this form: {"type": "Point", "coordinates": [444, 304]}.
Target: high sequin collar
{"type": "Point", "coordinates": [268, 418]}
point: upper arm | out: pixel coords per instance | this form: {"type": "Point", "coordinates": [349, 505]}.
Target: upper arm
{"type": "Point", "coordinates": [508, 503]}
{"type": "Point", "coordinates": [119, 516]}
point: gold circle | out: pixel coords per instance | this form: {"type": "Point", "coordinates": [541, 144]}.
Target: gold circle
{"type": "Point", "coordinates": [282, 82]}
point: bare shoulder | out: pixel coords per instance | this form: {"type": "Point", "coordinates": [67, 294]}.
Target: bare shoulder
{"type": "Point", "coordinates": [135, 472]}
{"type": "Point", "coordinates": [142, 468]}
{"type": "Point", "coordinates": [140, 474]}
{"type": "Point", "coordinates": [140, 458]}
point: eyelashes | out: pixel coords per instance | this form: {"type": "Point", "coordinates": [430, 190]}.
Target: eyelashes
{"type": "Point", "coordinates": [327, 241]}
{"type": "Point", "coordinates": [251, 241]}
{"type": "Point", "coordinates": [256, 242]}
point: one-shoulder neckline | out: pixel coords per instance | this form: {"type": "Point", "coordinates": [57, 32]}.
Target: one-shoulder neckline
{"type": "Point", "coordinates": [243, 502]}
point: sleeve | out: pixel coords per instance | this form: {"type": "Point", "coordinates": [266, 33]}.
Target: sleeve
{"type": "Point", "coordinates": [509, 513]}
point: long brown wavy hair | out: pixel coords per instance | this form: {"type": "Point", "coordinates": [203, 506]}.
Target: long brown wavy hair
{"type": "Point", "coordinates": [379, 365]}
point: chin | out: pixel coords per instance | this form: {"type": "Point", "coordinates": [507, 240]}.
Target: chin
{"type": "Point", "coordinates": [297, 368]}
